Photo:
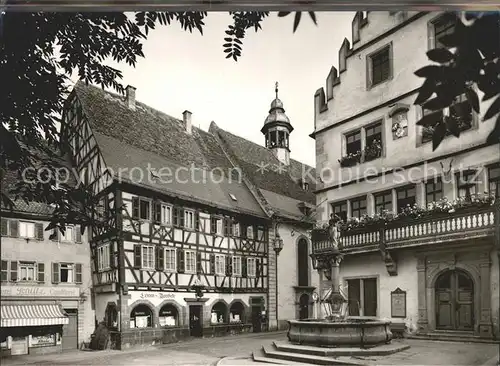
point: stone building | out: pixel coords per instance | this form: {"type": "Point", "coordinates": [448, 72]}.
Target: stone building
{"type": "Point", "coordinates": [193, 221]}
{"type": "Point", "coordinates": [421, 238]}
{"type": "Point", "coordinates": [46, 284]}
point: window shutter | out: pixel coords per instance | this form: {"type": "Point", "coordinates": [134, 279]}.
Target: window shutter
{"type": "Point", "coordinates": [55, 272]}
{"type": "Point", "coordinates": [243, 231]}
{"type": "Point", "coordinates": [41, 272]}
{"type": "Point", "coordinates": [212, 263]}
{"type": "Point", "coordinates": [135, 207]}
{"type": "Point", "coordinates": [229, 266]}
{"type": "Point", "coordinates": [5, 271]}
{"type": "Point", "coordinates": [13, 271]}
{"type": "Point", "coordinates": [226, 227]}
{"type": "Point", "coordinates": [111, 256]}
{"type": "Point", "coordinates": [213, 225]}
{"type": "Point", "coordinates": [197, 221]}
{"type": "Point", "coordinates": [198, 263]}
{"type": "Point", "coordinates": [78, 234]}
{"type": "Point", "coordinates": [176, 217]}
{"type": "Point", "coordinates": [39, 231]}
{"type": "Point", "coordinates": [180, 261]}
{"type": "Point", "coordinates": [160, 258]}
{"type": "Point", "coordinates": [137, 256]}
{"type": "Point", "coordinates": [5, 228]}
{"type": "Point", "coordinates": [157, 212]}
{"type": "Point", "coordinates": [244, 267]}
{"type": "Point", "coordinates": [181, 217]}
{"type": "Point", "coordinates": [14, 228]}
{"type": "Point", "coordinates": [78, 273]}
{"type": "Point", "coordinates": [257, 268]}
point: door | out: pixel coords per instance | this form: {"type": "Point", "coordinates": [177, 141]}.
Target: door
{"type": "Point", "coordinates": [304, 306]}
{"type": "Point", "coordinates": [454, 293]}
{"type": "Point", "coordinates": [195, 321]}
{"type": "Point", "coordinates": [257, 319]}
{"type": "Point", "coordinates": [70, 330]}
{"type": "Point", "coordinates": [370, 297]}
{"type": "Point", "coordinates": [303, 263]}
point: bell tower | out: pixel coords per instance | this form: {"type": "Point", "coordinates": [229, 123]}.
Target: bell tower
{"type": "Point", "coordinates": [277, 129]}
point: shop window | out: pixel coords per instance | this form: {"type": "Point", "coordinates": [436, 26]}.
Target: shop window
{"type": "Point", "coordinates": [219, 313]}
{"type": "Point", "coordinates": [141, 317]}
{"type": "Point", "coordinates": [169, 316]}
{"type": "Point", "coordinates": [237, 313]}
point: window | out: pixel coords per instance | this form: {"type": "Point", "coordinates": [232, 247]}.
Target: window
{"type": "Point", "coordinates": [362, 297]}
{"type": "Point", "coordinates": [494, 180]}
{"type": "Point", "coordinates": [237, 313]}
{"type": "Point", "coordinates": [68, 234]}
{"type": "Point", "coordinates": [250, 232]}
{"type": "Point", "coordinates": [103, 257]}
{"type": "Point", "coordinates": [166, 215]}
{"type": "Point", "coordinates": [220, 265]}
{"type": "Point", "coordinates": [383, 202]}
{"type": "Point", "coordinates": [406, 197]}
{"type": "Point", "coordinates": [27, 271]}
{"type": "Point", "coordinates": [467, 184]}
{"type": "Point", "coordinates": [358, 207]}
{"type": "Point", "coordinates": [148, 256]}
{"type": "Point", "coordinates": [26, 230]}
{"type": "Point", "coordinates": [251, 267]}
{"type": "Point", "coordinates": [236, 229]}
{"type": "Point", "coordinates": [66, 273]}
{"type": "Point", "coordinates": [170, 259]}
{"type": "Point", "coordinates": [340, 209]}
{"type": "Point", "coordinates": [373, 143]}
{"type": "Point", "coordinates": [168, 316]}
{"type": "Point", "coordinates": [445, 25]}
{"type": "Point", "coordinates": [141, 317]}
{"type": "Point", "coordinates": [353, 142]}
{"type": "Point", "coordinates": [237, 266]}
{"type": "Point", "coordinates": [216, 225]}
{"type": "Point", "coordinates": [219, 313]}
{"type": "Point", "coordinates": [141, 208]}
{"type": "Point", "coordinates": [190, 262]}
{"type": "Point", "coordinates": [379, 66]}
{"type": "Point", "coordinates": [189, 219]}
{"type": "Point", "coordinates": [433, 190]}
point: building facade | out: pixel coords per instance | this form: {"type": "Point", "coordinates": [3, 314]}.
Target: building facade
{"type": "Point", "coordinates": [187, 249]}
{"type": "Point", "coordinates": [420, 230]}
{"type": "Point", "coordinates": [46, 284]}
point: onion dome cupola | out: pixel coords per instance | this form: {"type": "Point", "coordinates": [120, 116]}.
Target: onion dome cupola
{"type": "Point", "coordinates": [277, 129]}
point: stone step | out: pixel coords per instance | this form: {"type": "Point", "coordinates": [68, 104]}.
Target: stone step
{"type": "Point", "coordinates": [260, 356]}
{"type": "Point", "coordinates": [382, 350]}
{"type": "Point", "coordinates": [273, 353]}
{"type": "Point", "coordinates": [452, 337]}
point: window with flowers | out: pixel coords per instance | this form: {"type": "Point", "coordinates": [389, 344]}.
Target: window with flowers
{"type": "Point", "coordinates": [358, 207]}
{"type": "Point", "coordinates": [467, 184]}
{"type": "Point", "coordinates": [494, 180]}
{"type": "Point", "coordinates": [373, 143]}
{"type": "Point", "coordinates": [433, 190]}
{"type": "Point", "coordinates": [383, 201]}
{"type": "Point", "coordinates": [406, 197]}
{"type": "Point", "coordinates": [340, 209]}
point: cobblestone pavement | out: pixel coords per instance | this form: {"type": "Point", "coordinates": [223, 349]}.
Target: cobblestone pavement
{"type": "Point", "coordinates": [209, 351]}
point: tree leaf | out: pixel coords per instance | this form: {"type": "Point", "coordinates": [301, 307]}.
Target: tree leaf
{"type": "Point", "coordinates": [430, 71]}
{"type": "Point", "coordinates": [492, 110]}
{"type": "Point", "coordinates": [313, 17]}
{"type": "Point", "coordinates": [425, 92]}
{"type": "Point", "coordinates": [452, 126]}
{"type": "Point", "coordinates": [441, 55]}
{"type": "Point", "coordinates": [438, 135]}
{"type": "Point", "coordinates": [429, 120]}
{"type": "Point", "coordinates": [494, 136]}
{"type": "Point", "coordinates": [473, 99]}
{"type": "Point", "coordinates": [449, 40]}
{"type": "Point", "coordinates": [436, 103]}
{"type": "Point", "coordinates": [283, 13]}
{"type": "Point", "coordinates": [296, 21]}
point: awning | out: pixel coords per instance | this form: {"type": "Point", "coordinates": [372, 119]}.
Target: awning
{"type": "Point", "coordinates": [32, 315]}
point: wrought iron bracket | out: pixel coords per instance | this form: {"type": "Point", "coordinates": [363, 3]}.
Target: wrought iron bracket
{"type": "Point", "coordinates": [389, 259]}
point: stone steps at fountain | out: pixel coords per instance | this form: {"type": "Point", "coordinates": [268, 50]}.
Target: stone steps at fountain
{"type": "Point", "coordinates": [271, 354]}
{"type": "Point", "coordinates": [382, 350]}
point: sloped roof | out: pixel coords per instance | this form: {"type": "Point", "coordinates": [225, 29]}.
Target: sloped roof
{"type": "Point", "coordinates": [135, 138]}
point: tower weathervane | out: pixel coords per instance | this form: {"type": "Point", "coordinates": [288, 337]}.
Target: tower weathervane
{"type": "Point", "coordinates": [276, 90]}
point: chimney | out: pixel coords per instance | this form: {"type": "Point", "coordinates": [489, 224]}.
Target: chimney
{"type": "Point", "coordinates": [186, 116]}
{"type": "Point", "coordinates": [130, 98]}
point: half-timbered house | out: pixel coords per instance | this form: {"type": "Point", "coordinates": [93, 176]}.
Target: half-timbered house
{"type": "Point", "coordinates": [188, 245]}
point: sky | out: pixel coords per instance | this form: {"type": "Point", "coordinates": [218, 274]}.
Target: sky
{"type": "Point", "coordinates": [188, 71]}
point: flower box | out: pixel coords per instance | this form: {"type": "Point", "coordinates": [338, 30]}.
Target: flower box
{"type": "Point", "coordinates": [350, 159]}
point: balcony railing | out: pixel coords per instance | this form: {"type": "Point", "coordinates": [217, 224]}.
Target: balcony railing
{"type": "Point", "coordinates": [410, 231]}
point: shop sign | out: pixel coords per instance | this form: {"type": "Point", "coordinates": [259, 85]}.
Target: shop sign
{"type": "Point", "coordinates": [39, 291]}
{"type": "Point", "coordinates": [43, 340]}
{"type": "Point", "coordinates": [155, 295]}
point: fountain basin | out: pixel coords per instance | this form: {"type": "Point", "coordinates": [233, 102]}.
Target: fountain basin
{"type": "Point", "coordinates": [349, 332]}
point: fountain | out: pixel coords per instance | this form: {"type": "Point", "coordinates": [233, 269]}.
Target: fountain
{"type": "Point", "coordinates": [335, 338]}
{"type": "Point", "coordinates": [336, 329]}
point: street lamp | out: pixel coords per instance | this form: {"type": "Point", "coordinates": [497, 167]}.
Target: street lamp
{"type": "Point", "coordinates": [277, 246]}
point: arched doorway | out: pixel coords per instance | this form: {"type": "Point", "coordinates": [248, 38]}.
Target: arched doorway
{"type": "Point", "coordinates": [304, 306]}
{"type": "Point", "coordinates": [302, 263]}
{"type": "Point", "coordinates": [454, 291]}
